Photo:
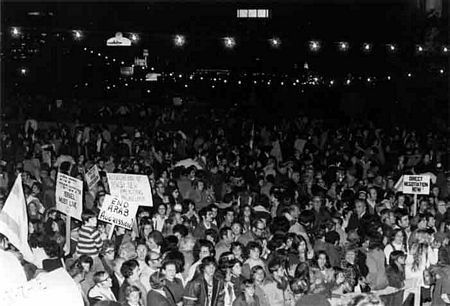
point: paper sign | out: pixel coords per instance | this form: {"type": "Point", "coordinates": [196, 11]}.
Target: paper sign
{"type": "Point", "coordinates": [416, 184]}
{"type": "Point", "coordinates": [118, 212]}
{"type": "Point", "coordinates": [135, 189]}
{"type": "Point", "coordinates": [68, 195]}
{"type": "Point", "coordinates": [92, 177]}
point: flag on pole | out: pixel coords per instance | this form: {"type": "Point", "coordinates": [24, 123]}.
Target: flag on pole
{"type": "Point", "coordinates": [14, 220]}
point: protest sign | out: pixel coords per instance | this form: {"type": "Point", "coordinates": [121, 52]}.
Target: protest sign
{"type": "Point", "coordinates": [117, 211]}
{"type": "Point", "coordinates": [68, 195]}
{"type": "Point", "coordinates": [416, 184]}
{"type": "Point", "coordinates": [92, 177]}
{"type": "Point", "coordinates": [132, 188]}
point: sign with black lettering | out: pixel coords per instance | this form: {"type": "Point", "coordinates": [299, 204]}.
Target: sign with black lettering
{"type": "Point", "coordinates": [69, 195]}
{"type": "Point", "coordinates": [416, 184]}
{"type": "Point", "coordinates": [135, 189]}
{"type": "Point", "coordinates": [92, 177]}
{"type": "Point", "coordinates": [117, 211]}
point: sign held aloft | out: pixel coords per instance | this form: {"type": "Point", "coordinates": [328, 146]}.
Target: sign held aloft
{"type": "Point", "coordinates": [69, 195]}
{"type": "Point", "coordinates": [416, 184]}
{"type": "Point", "coordinates": [117, 212]}
{"type": "Point", "coordinates": [92, 177]}
{"type": "Point", "coordinates": [132, 188]}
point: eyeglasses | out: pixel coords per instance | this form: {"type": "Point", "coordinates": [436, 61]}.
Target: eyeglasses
{"type": "Point", "coordinates": [109, 251]}
{"type": "Point", "coordinates": [155, 259]}
{"type": "Point", "coordinates": [106, 279]}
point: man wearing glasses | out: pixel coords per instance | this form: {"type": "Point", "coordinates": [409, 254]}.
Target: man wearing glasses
{"type": "Point", "coordinates": [153, 263]}
{"type": "Point", "coordinates": [101, 291]}
{"type": "Point", "coordinates": [258, 231]}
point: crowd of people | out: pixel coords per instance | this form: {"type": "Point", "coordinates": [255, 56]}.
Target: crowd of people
{"type": "Point", "coordinates": [289, 212]}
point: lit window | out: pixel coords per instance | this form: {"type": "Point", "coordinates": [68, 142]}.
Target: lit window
{"type": "Point", "coordinates": [253, 13]}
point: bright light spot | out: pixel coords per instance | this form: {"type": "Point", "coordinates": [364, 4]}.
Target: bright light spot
{"type": "Point", "coordinates": [391, 47]}
{"type": "Point", "coordinates": [126, 84]}
{"type": "Point", "coordinates": [369, 80]}
{"type": "Point", "coordinates": [314, 45]}
{"type": "Point", "coordinates": [409, 75]}
{"type": "Point", "coordinates": [122, 63]}
{"type": "Point", "coordinates": [179, 40]}
{"type": "Point", "coordinates": [23, 71]}
{"type": "Point", "coordinates": [225, 81]}
{"type": "Point", "coordinates": [389, 77]}
{"type": "Point", "coordinates": [348, 82]}
{"type": "Point", "coordinates": [367, 47]}
{"type": "Point", "coordinates": [275, 42]}
{"type": "Point", "coordinates": [229, 42]}
{"type": "Point", "coordinates": [343, 46]}
{"type": "Point", "coordinates": [148, 91]}
{"type": "Point", "coordinates": [331, 82]}
{"type": "Point", "coordinates": [239, 82]}
{"type": "Point", "coordinates": [99, 54]}
{"type": "Point", "coordinates": [445, 49]}
{"type": "Point", "coordinates": [106, 57]}
{"type": "Point", "coordinates": [185, 86]}
{"type": "Point", "coordinates": [134, 37]}
{"type": "Point", "coordinates": [282, 83]}
{"type": "Point", "coordinates": [77, 34]}
{"type": "Point", "coordinates": [107, 87]}
{"type": "Point", "coordinates": [441, 71]}
{"type": "Point", "coordinates": [419, 48]}
{"type": "Point", "coordinates": [15, 32]}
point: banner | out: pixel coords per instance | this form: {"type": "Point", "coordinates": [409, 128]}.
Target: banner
{"type": "Point", "coordinates": [416, 184]}
{"type": "Point", "coordinates": [118, 212]}
{"type": "Point", "coordinates": [68, 195]}
{"type": "Point", "coordinates": [92, 177]}
{"type": "Point", "coordinates": [51, 289]}
{"type": "Point", "coordinates": [14, 220]}
{"type": "Point", "coordinates": [135, 189]}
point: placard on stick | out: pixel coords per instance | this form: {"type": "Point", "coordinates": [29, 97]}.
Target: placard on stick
{"type": "Point", "coordinates": [69, 195]}
{"type": "Point", "coordinates": [416, 184]}
{"type": "Point", "coordinates": [117, 211]}
{"type": "Point", "coordinates": [92, 177]}
{"type": "Point", "coordinates": [132, 188]}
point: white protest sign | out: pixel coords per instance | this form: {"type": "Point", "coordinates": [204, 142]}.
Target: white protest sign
{"type": "Point", "coordinates": [68, 195]}
{"type": "Point", "coordinates": [117, 212]}
{"type": "Point", "coordinates": [416, 184]}
{"type": "Point", "coordinates": [92, 177]}
{"type": "Point", "coordinates": [135, 189]}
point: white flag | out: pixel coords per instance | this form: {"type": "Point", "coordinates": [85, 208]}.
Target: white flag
{"type": "Point", "coordinates": [14, 220]}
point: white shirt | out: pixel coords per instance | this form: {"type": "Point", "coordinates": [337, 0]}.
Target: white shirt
{"type": "Point", "coordinates": [101, 293]}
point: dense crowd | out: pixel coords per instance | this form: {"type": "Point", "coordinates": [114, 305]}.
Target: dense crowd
{"type": "Point", "coordinates": [289, 212]}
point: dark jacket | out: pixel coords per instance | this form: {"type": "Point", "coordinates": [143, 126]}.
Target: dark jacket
{"type": "Point", "coordinates": [240, 301]}
{"type": "Point", "coordinates": [156, 299]}
{"type": "Point", "coordinates": [395, 277]}
{"type": "Point", "coordinates": [196, 292]}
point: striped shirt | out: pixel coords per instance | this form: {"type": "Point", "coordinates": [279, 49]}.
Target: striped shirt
{"type": "Point", "coordinates": [89, 241]}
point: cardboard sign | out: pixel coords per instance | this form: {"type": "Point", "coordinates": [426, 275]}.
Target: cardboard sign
{"type": "Point", "coordinates": [135, 189]}
{"type": "Point", "coordinates": [118, 212]}
{"type": "Point", "coordinates": [68, 195]}
{"type": "Point", "coordinates": [416, 184]}
{"type": "Point", "coordinates": [92, 177]}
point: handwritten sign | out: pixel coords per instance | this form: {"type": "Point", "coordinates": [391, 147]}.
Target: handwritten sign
{"type": "Point", "coordinates": [135, 189]}
{"type": "Point", "coordinates": [92, 177]}
{"type": "Point", "coordinates": [118, 212]}
{"type": "Point", "coordinates": [69, 195]}
{"type": "Point", "coordinates": [416, 184]}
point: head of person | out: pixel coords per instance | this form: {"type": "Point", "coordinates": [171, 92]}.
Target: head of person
{"type": "Point", "coordinates": [258, 228]}
{"type": "Point", "coordinates": [141, 250]}
{"type": "Point", "coordinates": [254, 250]}
{"type": "Point", "coordinates": [108, 251]}
{"type": "Point", "coordinates": [203, 248]}
{"type": "Point", "coordinates": [86, 262]}
{"type": "Point", "coordinates": [89, 218]}
{"type": "Point", "coordinates": [153, 260]}
{"type": "Point", "coordinates": [208, 266]}
{"type": "Point", "coordinates": [130, 270]}
{"type": "Point", "coordinates": [276, 268]}
{"type": "Point", "coordinates": [402, 219]}
{"type": "Point", "coordinates": [180, 231]}
{"type": "Point", "coordinates": [158, 280]}
{"type": "Point", "coordinates": [206, 214]}
{"type": "Point", "coordinates": [102, 279]}
{"type": "Point", "coordinates": [248, 288]}
{"type": "Point", "coordinates": [169, 267]}
{"type": "Point", "coordinates": [236, 227]}
{"type": "Point", "coordinates": [397, 259]}
{"type": "Point", "coordinates": [229, 216]}
{"type": "Point", "coordinates": [360, 207]}
{"type": "Point", "coordinates": [226, 235]}
{"type": "Point", "coordinates": [258, 274]}
{"type": "Point", "coordinates": [145, 227]}
{"type": "Point", "coordinates": [155, 241]}
{"type": "Point", "coordinates": [322, 260]}
{"type": "Point", "coordinates": [132, 295]}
